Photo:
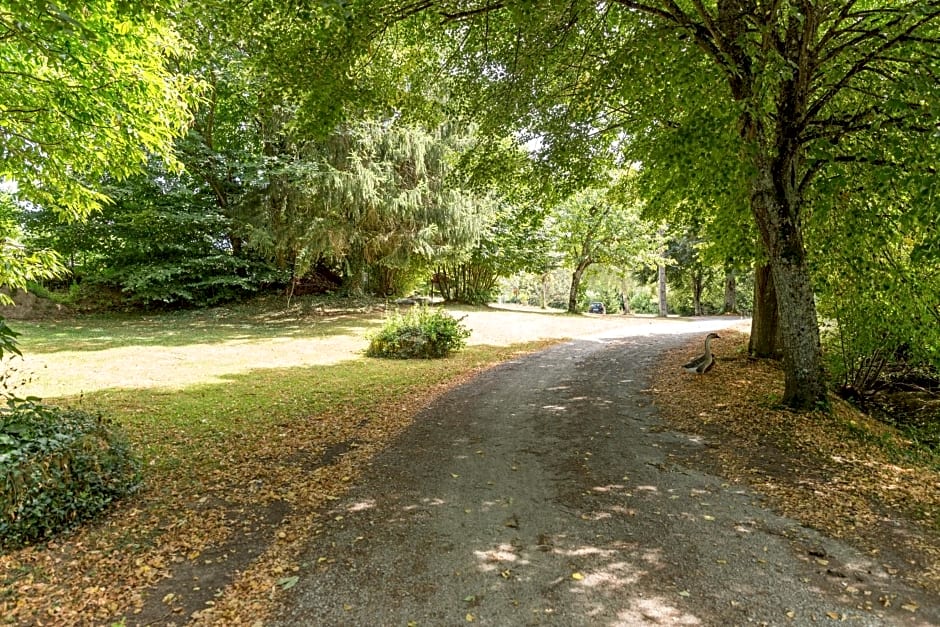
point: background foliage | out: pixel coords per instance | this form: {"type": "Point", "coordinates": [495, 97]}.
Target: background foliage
{"type": "Point", "coordinates": [382, 148]}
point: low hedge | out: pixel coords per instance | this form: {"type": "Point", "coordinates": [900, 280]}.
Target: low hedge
{"type": "Point", "coordinates": [58, 468]}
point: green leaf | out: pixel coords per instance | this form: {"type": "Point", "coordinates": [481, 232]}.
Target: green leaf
{"type": "Point", "coordinates": [287, 583]}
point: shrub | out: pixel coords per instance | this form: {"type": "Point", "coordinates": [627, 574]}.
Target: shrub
{"type": "Point", "coordinates": [58, 467]}
{"type": "Point", "coordinates": [642, 302]}
{"type": "Point", "coordinates": [422, 332]}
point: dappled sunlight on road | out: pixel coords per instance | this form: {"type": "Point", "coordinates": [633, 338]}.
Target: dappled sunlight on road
{"type": "Point", "coordinates": [540, 576]}
{"type": "Point", "coordinates": [468, 549]}
{"type": "Point", "coordinates": [601, 581]}
{"type": "Point", "coordinates": [655, 611]}
{"type": "Point", "coordinates": [614, 575]}
{"type": "Point", "coordinates": [509, 570]}
{"type": "Point", "coordinates": [361, 506]}
{"type": "Point", "coordinates": [498, 557]}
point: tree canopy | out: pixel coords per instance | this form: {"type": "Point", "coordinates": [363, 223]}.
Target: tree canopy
{"type": "Point", "coordinates": [803, 87]}
{"type": "Point", "coordinates": [89, 92]}
{"type": "Point", "coordinates": [601, 225]}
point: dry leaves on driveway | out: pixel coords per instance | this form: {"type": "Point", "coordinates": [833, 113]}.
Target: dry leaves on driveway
{"type": "Point", "coordinates": [830, 472]}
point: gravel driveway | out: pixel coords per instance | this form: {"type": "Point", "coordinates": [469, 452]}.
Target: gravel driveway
{"type": "Point", "coordinates": [543, 492]}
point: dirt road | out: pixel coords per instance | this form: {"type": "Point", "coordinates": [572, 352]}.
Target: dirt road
{"type": "Point", "coordinates": [544, 492]}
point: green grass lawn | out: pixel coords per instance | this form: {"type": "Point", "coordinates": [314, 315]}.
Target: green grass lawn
{"type": "Point", "coordinates": [184, 384]}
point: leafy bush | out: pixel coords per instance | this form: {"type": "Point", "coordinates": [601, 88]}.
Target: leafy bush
{"type": "Point", "coordinates": [642, 302]}
{"type": "Point", "coordinates": [158, 244]}
{"type": "Point", "coordinates": [217, 277]}
{"type": "Point", "coordinates": [421, 332]}
{"type": "Point", "coordinates": [8, 343]}
{"type": "Point", "coordinates": [58, 467]}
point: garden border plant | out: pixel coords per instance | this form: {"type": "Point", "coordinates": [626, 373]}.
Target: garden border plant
{"type": "Point", "coordinates": [421, 332]}
{"type": "Point", "coordinates": [60, 467]}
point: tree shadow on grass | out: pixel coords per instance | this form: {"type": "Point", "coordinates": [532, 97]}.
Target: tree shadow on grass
{"type": "Point", "coordinates": [171, 330]}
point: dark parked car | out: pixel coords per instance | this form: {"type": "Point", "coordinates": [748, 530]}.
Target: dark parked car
{"type": "Point", "coordinates": [597, 308]}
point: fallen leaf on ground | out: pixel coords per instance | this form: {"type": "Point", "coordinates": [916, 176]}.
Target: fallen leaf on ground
{"type": "Point", "coordinates": [288, 582]}
{"type": "Point", "coordinates": [837, 472]}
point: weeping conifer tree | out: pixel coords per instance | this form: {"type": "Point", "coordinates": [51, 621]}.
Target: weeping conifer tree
{"type": "Point", "coordinates": [377, 200]}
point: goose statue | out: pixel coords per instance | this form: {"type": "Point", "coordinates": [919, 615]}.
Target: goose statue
{"type": "Point", "coordinates": [704, 362]}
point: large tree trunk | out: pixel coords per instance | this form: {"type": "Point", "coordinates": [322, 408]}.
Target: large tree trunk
{"type": "Point", "coordinates": [356, 274]}
{"type": "Point", "coordinates": [575, 284]}
{"type": "Point", "coordinates": [543, 297]}
{"type": "Point", "coordinates": [775, 203]}
{"type": "Point", "coordinates": [765, 320]}
{"type": "Point", "coordinates": [805, 375]}
{"type": "Point", "coordinates": [698, 286]}
{"type": "Point", "coordinates": [624, 301]}
{"type": "Point", "coordinates": [774, 141]}
{"type": "Point", "coordinates": [442, 278]}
